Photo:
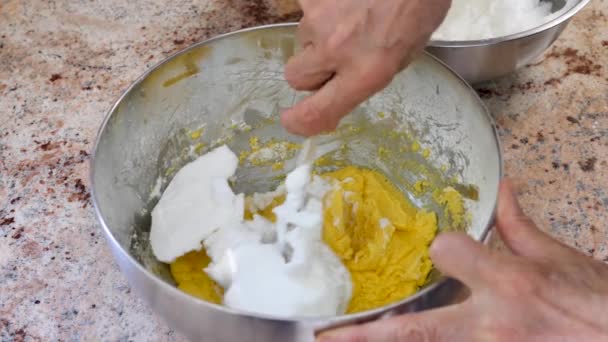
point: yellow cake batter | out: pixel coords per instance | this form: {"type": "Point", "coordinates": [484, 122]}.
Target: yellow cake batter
{"type": "Point", "coordinates": [380, 236]}
{"type": "Point", "coordinates": [382, 239]}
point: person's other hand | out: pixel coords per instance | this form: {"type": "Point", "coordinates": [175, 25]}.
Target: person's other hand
{"type": "Point", "coordinates": [544, 291]}
{"type": "Point", "coordinates": [351, 49]}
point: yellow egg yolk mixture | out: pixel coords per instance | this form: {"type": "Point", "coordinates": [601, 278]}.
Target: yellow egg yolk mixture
{"type": "Point", "coordinates": [381, 238]}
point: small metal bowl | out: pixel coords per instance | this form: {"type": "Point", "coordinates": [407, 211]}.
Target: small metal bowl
{"type": "Point", "coordinates": [214, 85]}
{"type": "Point", "coordinates": [487, 59]}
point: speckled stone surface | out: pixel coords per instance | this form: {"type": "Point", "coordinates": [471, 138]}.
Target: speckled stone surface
{"type": "Point", "coordinates": [63, 64]}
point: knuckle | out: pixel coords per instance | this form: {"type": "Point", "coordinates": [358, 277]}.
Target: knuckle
{"type": "Point", "coordinates": [329, 126]}
{"type": "Point", "coordinates": [312, 115]}
{"type": "Point", "coordinates": [343, 41]}
{"type": "Point", "coordinates": [333, 45]}
{"type": "Point", "coordinates": [378, 71]}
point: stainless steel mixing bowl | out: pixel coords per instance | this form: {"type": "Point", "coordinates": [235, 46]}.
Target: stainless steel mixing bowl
{"type": "Point", "coordinates": [483, 60]}
{"type": "Point", "coordinates": [232, 87]}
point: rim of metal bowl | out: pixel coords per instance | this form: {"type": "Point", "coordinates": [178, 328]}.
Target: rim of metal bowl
{"type": "Point", "coordinates": [497, 40]}
{"type": "Point", "coordinates": [175, 291]}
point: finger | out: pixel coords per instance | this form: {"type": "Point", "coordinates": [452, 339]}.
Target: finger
{"type": "Point", "coordinates": [444, 324]}
{"type": "Point", "coordinates": [305, 32]}
{"type": "Point", "coordinates": [458, 256]}
{"type": "Point", "coordinates": [322, 111]}
{"type": "Point", "coordinates": [309, 69]}
{"type": "Point", "coordinates": [305, 4]}
{"type": "Point", "coordinates": [518, 231]}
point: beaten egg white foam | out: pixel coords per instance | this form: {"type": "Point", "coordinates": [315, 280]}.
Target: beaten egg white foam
{"type": "Point", "coordinates": [484, 19]}
{"type": "Point", "coordinates": [283, 269]}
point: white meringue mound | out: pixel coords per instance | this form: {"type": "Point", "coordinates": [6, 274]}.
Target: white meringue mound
{"type": "Point", "coordinates": [283, 269]}
{"type": "Point", "coordinates": [485, 19]}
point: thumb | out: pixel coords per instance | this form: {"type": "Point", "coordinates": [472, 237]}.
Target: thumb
{"type": "Point", "coordinates": [308, 70]}
{"type": "Point", "coordinates": [518, 231]}
{"type": "Point", "coordinates": [323, 110]}
{"type": "Point", "coordinates": [458, 256]}
{"type": "Point", "coordinates": [320, 112]}
{"type": "Point", "coordinates": [444, 324]}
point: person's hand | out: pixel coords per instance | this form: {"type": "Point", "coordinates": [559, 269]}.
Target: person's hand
{"type": "Point", "coordinates": [352, 49]}
{"type": "Point", "coordinates": [543, 291]}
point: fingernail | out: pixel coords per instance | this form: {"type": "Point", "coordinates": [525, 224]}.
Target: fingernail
{"type": "Point", "coordinates": [287, 121]}
{"type": "Point", "coordinates": [437, 245]}
{"type": "Point", "coordinates": [434, 249]}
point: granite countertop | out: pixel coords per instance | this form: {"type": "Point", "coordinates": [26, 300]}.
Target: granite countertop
{"type": "Point", "coordinates": [63, 64]}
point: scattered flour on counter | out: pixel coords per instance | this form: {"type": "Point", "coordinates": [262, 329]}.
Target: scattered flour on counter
{"type": "Point", "coordinates": [283, 269]}
{"type": "Point", "coordinates": [484, 19]}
